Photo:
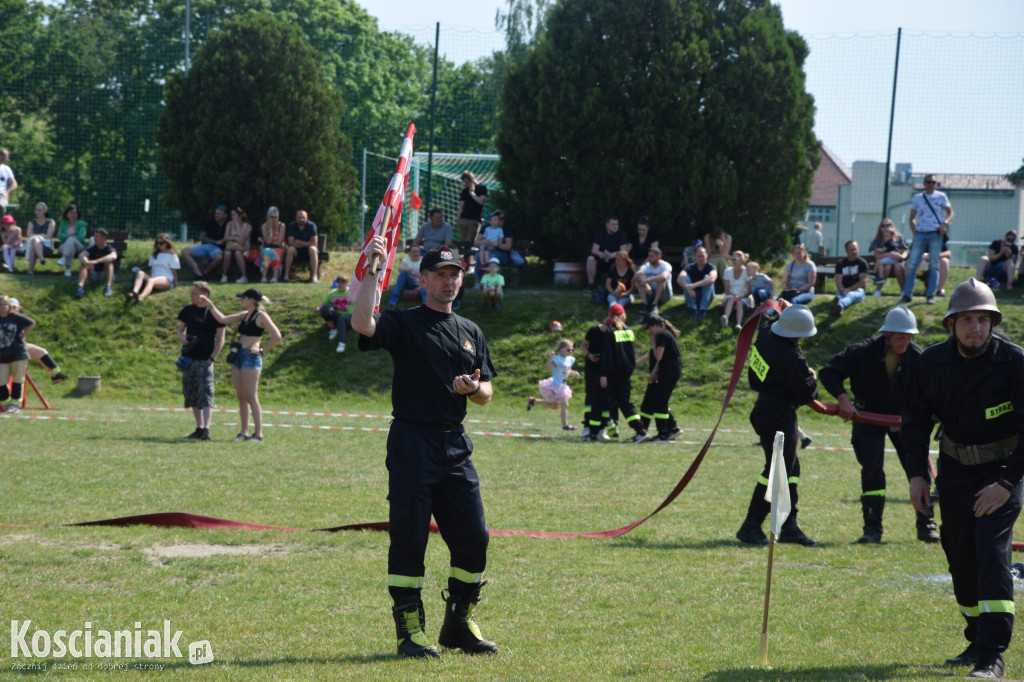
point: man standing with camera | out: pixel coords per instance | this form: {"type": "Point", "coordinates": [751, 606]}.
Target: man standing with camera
{"type": "Point", "coordinates": [202, 339]}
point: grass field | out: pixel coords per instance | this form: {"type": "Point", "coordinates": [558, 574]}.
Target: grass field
{"type": "Point", "coordinates": [676, 598]}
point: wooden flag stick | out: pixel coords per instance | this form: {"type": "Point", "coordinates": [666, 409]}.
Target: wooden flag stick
{"type": "Point", "coordinates": [762, 656]}
{"type": "Point", "coordinates": [375, 259]}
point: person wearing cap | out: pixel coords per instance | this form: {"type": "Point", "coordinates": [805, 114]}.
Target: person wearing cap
{"type": "Point", "coordinates": [930, 215]}
{"type": "Point", "coordinates": [878, 369]}
{"type": "Point", "coordinates": [973, 384]}
{"type": "Point", "coordinates": [11, 241]}
{"type": "Point", "coordinates": [779, 374]}
{"type": "Point", "coordinates": [653, 280]}
{"type": "Point", "coordinates": [14, 327]}
{"type": "Point", "coordinates": [618, 360]}
{"type": "Point", "coordinates": [211, 245]}
{"type": "Point", "coordinates": [493, 285]}
{"type": "Point", "coordinates": [202, 338]}
{"type": "Point", "coordinates": [441, 363]}
{"type": "Point", "coordinates": [665, 366]}
{"type": "Point", "coordinates": [40, 354]}
{"type": "Point", "coordinates": [253, 321]}
{"type": "Point", "coordinates": [97, 264]}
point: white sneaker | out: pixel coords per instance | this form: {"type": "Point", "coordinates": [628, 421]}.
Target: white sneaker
{"type": "Point", "coordinates": [333, 334]}
{"type": "Point", "coordinates": [263, 280]}
{"type": "Point", "coordinates": [12, 408]}
{"type": "Point", "coordinates": [878, 292]}
{"type": "Point", "coordinates": [585, 433]}
{"type": "Point", "coordinates": [274, 281]}
{"type": "Point", "coordinates": [340, 348]}
{"type": "Point", "coordinates": [603, 436]}
{"type": "Point", "coordinates": [242, 280]}
{"type": "Point", "coordinates": [67, 273]}
{"type": "Point", "coordinates": [223, 279]}
{"type": "Point", "coordinates": [62, 261]}
{"type": "Point", "coordinates": [725, 321]}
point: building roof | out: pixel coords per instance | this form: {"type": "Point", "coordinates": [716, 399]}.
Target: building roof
{"type": "Point", "coordinates": [965, 181]}
{"type": "Point", "coordinates": [831, 173]}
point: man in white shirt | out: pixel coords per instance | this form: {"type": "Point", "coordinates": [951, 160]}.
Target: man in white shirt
{"type": "Point", "coordinates": [7, 182]}
{"type": "Point", "coordinates": [930, 215]}
{"type": "Point", "coordinates": [654, 281]}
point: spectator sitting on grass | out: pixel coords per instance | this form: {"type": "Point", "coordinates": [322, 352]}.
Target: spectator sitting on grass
{"type": "Point", "coordinates": [890, 253]}
{"type": "Point", "coordinates": [163, 271]}
{"type": "Point", "coordinates": [493, 285]}
{"type": "Point", "coordinates": [653, 281]}
{"type": "Point", "coordinates": [334, 310]}
{"type": "Point", "coordinates": [698, 284]}
{"type": "Point", "coordinates": [761, 285]}
{"type": "Point", "coordinates": [407, 285]}
{"type": "Point", "coordinates": [996, 268]}
{"type": "Point", "coordinates": [97, 264]}
{"type": "Point", "coordinates": [11, 242]}
{"type": "Point", "coordinates": [618, 284]}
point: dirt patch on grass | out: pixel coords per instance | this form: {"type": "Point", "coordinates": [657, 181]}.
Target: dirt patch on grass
{"type": "Point", "coordinates": [157, 553]}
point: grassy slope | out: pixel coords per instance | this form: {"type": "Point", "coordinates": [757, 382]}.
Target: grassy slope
{"type": "Point", "coordinates": [677, 598]}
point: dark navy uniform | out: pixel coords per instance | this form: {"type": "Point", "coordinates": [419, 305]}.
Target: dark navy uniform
{"type": "Point", "coordinates": [779, 373]}
{"type": "Point", "coordinates": [595, 411]}
{"type": "Point", "coordinates": [979, 402]}
{"type": "Point", "coordinates": [428, 451]}
{"type": "Point", "coordinates": [877, 388]}
{"type": "Point", "coordinates": [658, 394]}
{"type": "Point", "coordinates": [618, 360]}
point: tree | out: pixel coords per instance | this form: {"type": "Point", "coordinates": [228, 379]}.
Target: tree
{"type": "Point", "coordinates": [693, 112]}
{"type": "Point", "coordinates": [255, 123]}
{"type": "Point", "coordinates": [1016, 177]}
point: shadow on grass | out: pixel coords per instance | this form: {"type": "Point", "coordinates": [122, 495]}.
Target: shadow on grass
{"type": "Point", "coordinates": [892, 671]}
{"type": "Point", "coordinates": [49, 666]}
{"type": "Point", "coordinates": [630, 542]}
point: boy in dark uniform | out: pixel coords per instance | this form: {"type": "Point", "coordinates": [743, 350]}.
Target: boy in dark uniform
{"type": "Point", "coordinates": [595, 411]}
{"type": "Point", "coordinates": [974, 383]}
{"type": "Point", "coordinates": [441, 360]}
{"type": "Point", "coordinates": [783, 381]}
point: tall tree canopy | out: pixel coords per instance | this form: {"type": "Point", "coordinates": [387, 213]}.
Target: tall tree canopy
{"type": "Point", "coordinates": [255, 122]}
{"type": "Point", "coordinates": [693, 112]}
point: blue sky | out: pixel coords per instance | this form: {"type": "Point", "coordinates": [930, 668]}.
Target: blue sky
{"type": "Point", "coordinates": [960, 100]}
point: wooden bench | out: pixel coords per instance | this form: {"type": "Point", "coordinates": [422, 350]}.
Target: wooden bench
{"type": "Point", "coordinates": [119, 240]}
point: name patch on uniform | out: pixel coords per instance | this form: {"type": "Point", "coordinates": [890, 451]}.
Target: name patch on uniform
{"type": "Point", "coordinates": [623, 335]}
{"type": "Point", "coordinates": [993, 412]}
{"type": "Point", "coordinates": [757, 364]}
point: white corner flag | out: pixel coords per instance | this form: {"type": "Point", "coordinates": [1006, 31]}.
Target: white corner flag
{"type": "Point", "coordinates": [778, 487]}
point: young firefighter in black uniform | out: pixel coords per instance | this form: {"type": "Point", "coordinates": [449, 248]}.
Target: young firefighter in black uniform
{"type": "Point", "coordinates": [974, 383]}
{"type": "Point", "coordinates": [783, 381]}
{"type": "Point", "coordinates": [595, 410]}
{"type": "Point", "coordinates": [618, 360]}
{"type": "Point", "coordinates": [878, 369]}
{"type": "Point", "coordinates": [441, 361]}
{"type": "Point", "coordinates": [665, 361]}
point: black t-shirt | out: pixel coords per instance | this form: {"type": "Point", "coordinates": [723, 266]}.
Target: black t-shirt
{"type": "Point", "coordinates": [639, 251]}
{"type": "Point", "coordinates": [614, 278]}
{"type": "Point", "coordinates": [671, 358]}
{"type": "Point", "coordinates": [429, 349]}
{"type": "Point", "coordinates": [202, 325]}
{"type": "Point", "coordinates": [95, 252]}
{"type": "Point", "coordinates": [214, 230]}
{"type": "Point", "coordinates": [851, 269]}
{"type": "Point", "coordinates": [696, 274]}
{"type": "Point", "coordinates": [997, 246]}
{"type": "Point", "coordinates": [470, 209]}
{"type": "Point", "coordinates": [611, 242]}
{"type": "Point", "coordinates": [306, 234]}
{"type": "Point", "coordinates": [12, 346]}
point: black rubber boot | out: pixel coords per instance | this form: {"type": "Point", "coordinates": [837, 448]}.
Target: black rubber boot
{"type": "Point", "coordinates": [410, 623]}
{"type": "Point", "coordinates": [872, 506]}
{"type": "Point", "coordinates": [989, 666]}
{"type": "Point", "coordinates": [968, 657]}
{"type": "Point", "coordinates": [926, 528]}
{"type": "Point", "coordinates": [791, 532]}
{"type": "Point", "coordinates": [459, 631]}
{"type": "Point", "coordinates": [750, 532]}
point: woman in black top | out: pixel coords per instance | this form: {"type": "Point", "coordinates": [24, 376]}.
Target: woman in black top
{"type": "Point", "coordinates": [39, 237]}
{"type": "Point", "coordinates": [13, 354]}
{"type": "Point", "coordinates": [253, 321]}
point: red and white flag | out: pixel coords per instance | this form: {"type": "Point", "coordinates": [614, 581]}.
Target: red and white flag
{"type": "Point", "coordinates": [388, 222]}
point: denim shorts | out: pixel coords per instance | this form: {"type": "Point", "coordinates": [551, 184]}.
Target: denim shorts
{"type": "Point", "coordinates": [248, 360]}
{"type": "Point", "coordinates": [206, 251]}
